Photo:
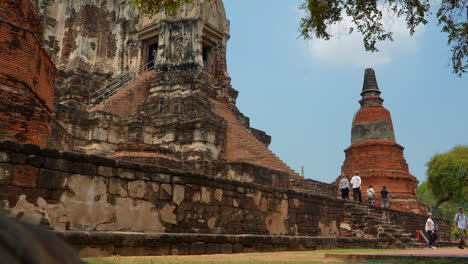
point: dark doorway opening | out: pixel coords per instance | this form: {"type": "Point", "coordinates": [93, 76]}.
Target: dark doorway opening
{"type": "Point", "coordinates": [206, 53]}
{"type": "Point", "coordinates": [152, 55]}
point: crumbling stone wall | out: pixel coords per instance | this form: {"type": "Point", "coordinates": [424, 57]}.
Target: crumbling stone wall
{"type": "Point", "coordinates": [65, 190]}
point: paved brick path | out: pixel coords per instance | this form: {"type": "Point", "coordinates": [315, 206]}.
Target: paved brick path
{"type": "Point", "coordinates": [450, 253]}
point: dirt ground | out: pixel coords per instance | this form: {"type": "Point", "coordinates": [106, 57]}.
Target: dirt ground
{"type": "Point", "coordinates": [276, 258]}
{"type": "Point", "coordinates": [303, 257]}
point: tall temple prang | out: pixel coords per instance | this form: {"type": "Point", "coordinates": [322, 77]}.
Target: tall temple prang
{"type": "Point", "coordinates": [374, 153]}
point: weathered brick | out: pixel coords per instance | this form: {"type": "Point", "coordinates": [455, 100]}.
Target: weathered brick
{"type": "Point", "coordinates": [4, 157]}
{"type": "Point", "coordinates": [6, 171]}
{"type": "Point", "coordinates": [49, 179]}
{"type": "Point", "coordinates": [197, 248]}
{"type": "Point", "coordinates": [25, 176]}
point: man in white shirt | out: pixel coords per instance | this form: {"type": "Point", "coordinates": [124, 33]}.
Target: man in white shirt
{"type": "Point", "coordinates": [356, 182]}
{"type": "Point", "coordinates": [461, 221]}
{"type": "Point", "coordinates": [430, 230]}
{"type": "Point", "coordinates": [344, 187]}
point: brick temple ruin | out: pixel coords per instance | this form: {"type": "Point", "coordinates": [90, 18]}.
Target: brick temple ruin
{"type": "Point", "coordinates": [375, 155]}
{"type": "Point", "coordinates": [121, 133]}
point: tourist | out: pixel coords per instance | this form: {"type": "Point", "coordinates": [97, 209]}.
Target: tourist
{"type": "Point", "coordinates": [344, 187]}
{"type": "Point", "coordinates": [385, 197]}
{"type": "Point", "coordinates": [356, 182]}
{"type": "Point", "coordinates": [370, 195]}
{"type": "Point", "coordinates": [461, 221]}
{"type": "Point", "coordinates": [431, 231]}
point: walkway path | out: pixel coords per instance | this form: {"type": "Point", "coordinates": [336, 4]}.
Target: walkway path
{"type": "Point", "coordinates": [444, 253]}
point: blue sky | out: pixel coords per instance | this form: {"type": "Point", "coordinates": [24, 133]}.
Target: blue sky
{"type": "Point", "coordinates": [305, 93]}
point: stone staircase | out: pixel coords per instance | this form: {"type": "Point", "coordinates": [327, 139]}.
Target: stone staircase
{"type": "Point", "coordinates": [125, 101]}
{"type": "Point", "coordinates": [243, 146]}
{"type": "Point", "coordinates": [366, 221]}
{"type": "Point", "coordinates": [117, 83]}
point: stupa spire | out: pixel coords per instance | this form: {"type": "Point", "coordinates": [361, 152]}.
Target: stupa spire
{"type": "Point", "coordinates": [370, 89]}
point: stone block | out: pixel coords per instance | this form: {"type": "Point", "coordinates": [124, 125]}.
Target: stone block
{"type": "Point", "coordinates": [25, 176]}
{"type": "Point", "coordinates": [197, 248]}
{"type": "Point", "coordinates": [178, 194]}
{"type": "Point", "coordinates": [35, 160]}
{"type": "Point", "coordinates": [84, 168]}
{"type": "Point", "coordinates": [51, 153]}
{"type": "Point", "coordinates": [18, 158]}
{"type": "Point", "coordinates": [162, 249]}
{"type": "Point", "coordinates": [161, 177]}
{"type": "Point", "coordinates": [165, 192]}
{"type": "Point", "coordinates": [102, 161]}
{"type": "Point", "coordinates": [151, 191]}
{"type": "Point", "coordinates": [136, 189]}
{"type": "Point", "coordinates": [49, 179]}
{"type": "Point", "coordinates": [237, 248]}
{"type": "Point", "coordinates": [167, 214]}
{"type": "Point", "coordinates": [218, 195]}
{"type": "Point", "coordinates": [212, 248]}
{"type": "Point", "coordinates": [30, 149]}
{"type": "Point", "coordinates": [74, 156]}
{"type": "Point", "coordinates": [118, 187]}
{"type": "Point", "coordinates": [180, 249]}
{"type": "Point", "coordinates": [226, 248]}
{"type": "Point", "coordinates": [205, 195]}
{"type": "Point", "coordinates": [59, 165]}
{"type": "Point", "coordinates": [125, 251]}
{"type": "Point", "coordinates": [6, 171]}
{"type": "Point", "coordinates": [9, 145]}
{"type": "Point", "coordinates": [4, 157]}
{"type": "Point", "coordinates": [105, 171]}
{"type": "Point", "coordinates": [125, 174]}
{"type": "Point", "coordinates": [236, 203]}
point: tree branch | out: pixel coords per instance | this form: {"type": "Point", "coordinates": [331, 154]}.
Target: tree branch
{"type": "Point", "coordinates": [439, 202]}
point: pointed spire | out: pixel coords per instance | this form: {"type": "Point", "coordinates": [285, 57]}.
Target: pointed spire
{"type": "Point", "coordinates": [370, 82]}
{"type": "Point", "coordinates": [370, 89]}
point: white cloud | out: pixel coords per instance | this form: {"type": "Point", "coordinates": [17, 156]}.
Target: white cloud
{"type": "Point", "coordinates": [345, 49]}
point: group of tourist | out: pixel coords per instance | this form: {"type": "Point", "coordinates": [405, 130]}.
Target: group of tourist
{"type": "Point", "coordinates": [356, 182]}
{"type": "Point", "coordinates": [461, 222]}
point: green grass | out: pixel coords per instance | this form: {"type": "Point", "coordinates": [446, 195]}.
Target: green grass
{"type": "Point", "coordinates": [405, 261]}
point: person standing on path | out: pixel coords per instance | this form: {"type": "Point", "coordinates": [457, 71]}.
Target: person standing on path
{"type": "Point", "coordinates": [385, 197]}
{"type": "Point", "coordinates": [356, 182]}
{"type": "Point", "coordinates": [430, 230]}
{"type": "Point", "coordinates": [461, 221]}
{"type": "Point", "coordinates": [344, 187]}
{"type": "Point", "coordinates": [370, 195]}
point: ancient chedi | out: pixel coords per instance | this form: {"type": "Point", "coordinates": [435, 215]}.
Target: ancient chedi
{"type": "Point", "coordinates": [375, 155]}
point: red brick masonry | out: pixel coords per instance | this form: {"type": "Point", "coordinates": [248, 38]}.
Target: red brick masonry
{"type": "Point", "coordinates": [26, 74]}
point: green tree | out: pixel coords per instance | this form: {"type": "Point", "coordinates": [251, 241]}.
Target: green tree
{"type": "Point", "coordinates": [446, 210]}
{"type": "Point", "coordinates": [367, 17]}
{"type": "Point", "coordinates": [447, 177]}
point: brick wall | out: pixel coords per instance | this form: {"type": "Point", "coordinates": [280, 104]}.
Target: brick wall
{"type": "Point", "coordinates": [26, 74]}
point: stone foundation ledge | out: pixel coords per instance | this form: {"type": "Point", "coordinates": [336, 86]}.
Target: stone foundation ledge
{"type": "Point", "coordinates": [102, 244]}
